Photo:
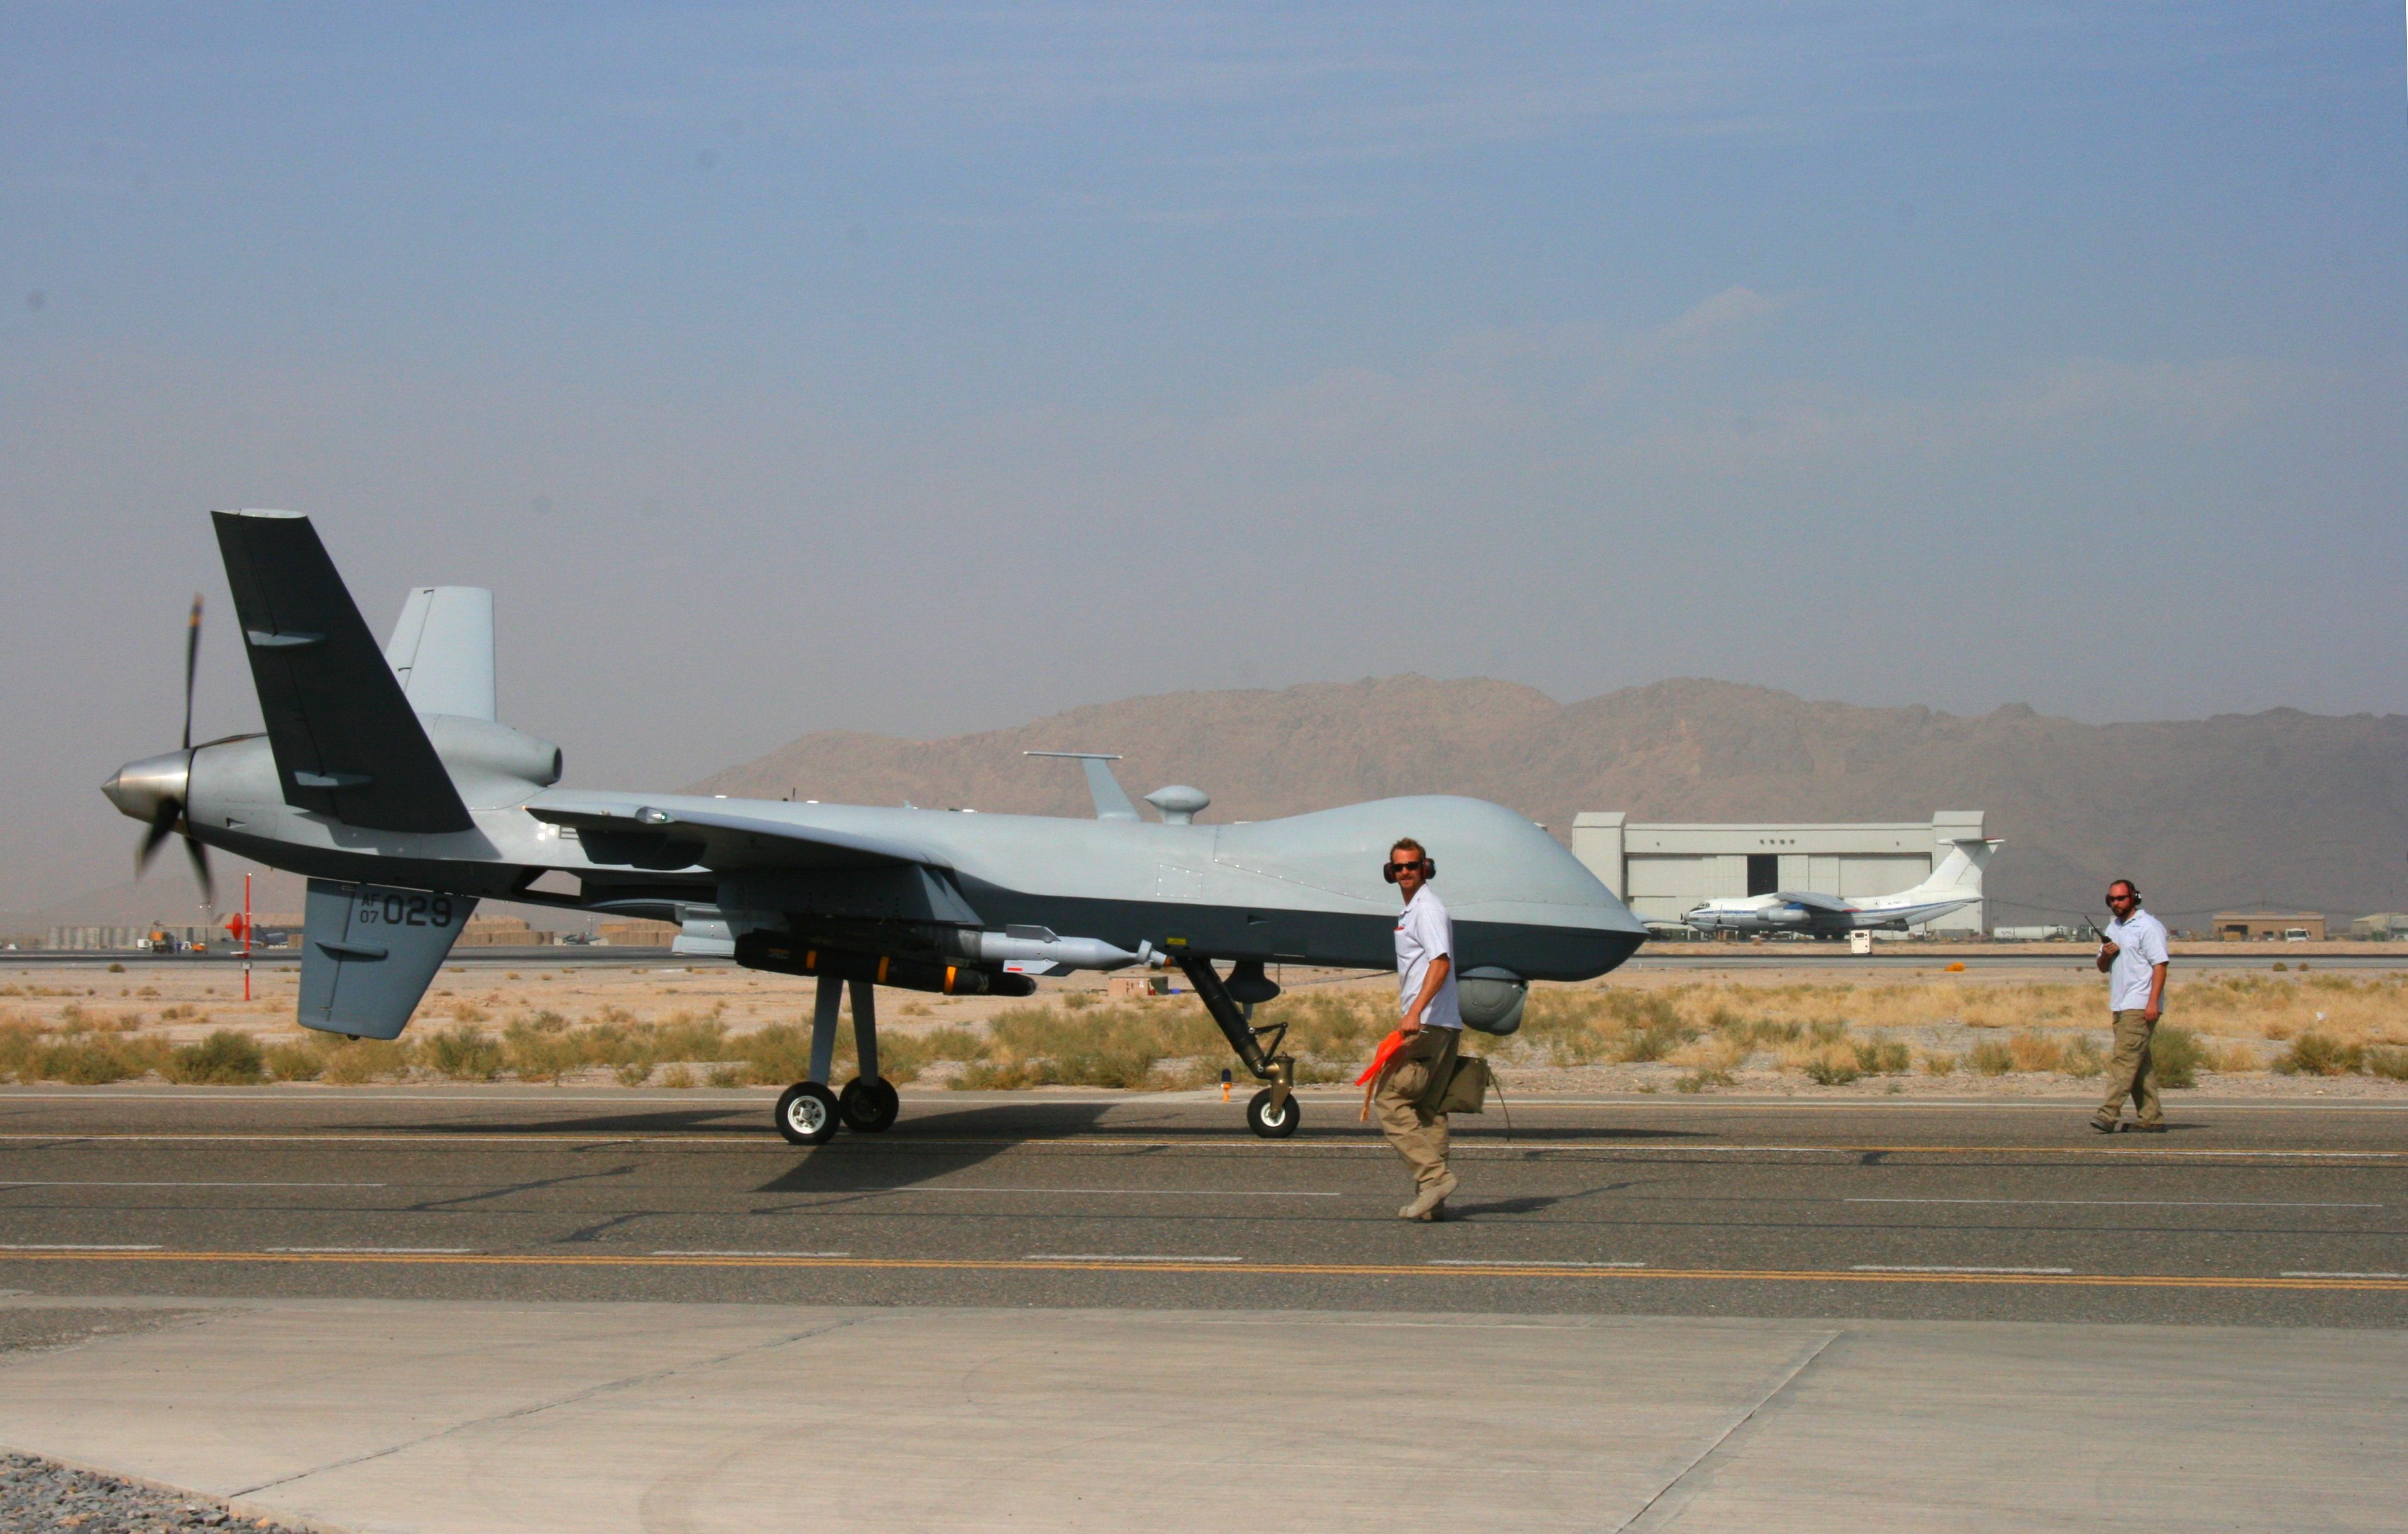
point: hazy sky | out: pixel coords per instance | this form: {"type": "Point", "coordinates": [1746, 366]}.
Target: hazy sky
{"type": "Point", "coordinates": [915, 368]}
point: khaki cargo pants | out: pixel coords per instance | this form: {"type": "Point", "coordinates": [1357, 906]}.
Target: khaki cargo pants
{"type": "Point", "coordinates": [1417, 1075]}
{"type": "Point", "coordinates": [2131, 1073]}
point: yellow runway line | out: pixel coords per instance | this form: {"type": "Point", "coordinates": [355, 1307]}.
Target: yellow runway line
{"type": "Point", "coordinates": [1304, 1270]}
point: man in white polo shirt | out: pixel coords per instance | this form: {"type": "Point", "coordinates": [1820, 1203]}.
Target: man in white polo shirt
{"type": "Point", "coordinates": [2133, 959]}
{"type": "Point", "coordinates": [1416, 1075]}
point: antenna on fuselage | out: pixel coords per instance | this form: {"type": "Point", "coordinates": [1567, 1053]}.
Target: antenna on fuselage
{"type": "Point", "coordinates": [1111, 801]}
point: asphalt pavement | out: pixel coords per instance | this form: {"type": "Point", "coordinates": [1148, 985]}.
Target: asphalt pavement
{"type": "Point", "coordinates": [2246, 1213]}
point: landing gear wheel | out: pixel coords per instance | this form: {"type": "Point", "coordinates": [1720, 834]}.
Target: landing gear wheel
{"type": "Point", "coordinates": [807, 1114]}
{"type": "Point", "coordinates": [868, 1105]}
{"type": "Point", "coordinates": [1270, 1124]}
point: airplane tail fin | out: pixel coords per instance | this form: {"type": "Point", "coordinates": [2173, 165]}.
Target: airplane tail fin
{"type": "Point", "coordinates": [1961, 870]}
{"type": "Point", "coordinates": [346, 742]}
{"type": "Point", "coordinates": [442, 651]}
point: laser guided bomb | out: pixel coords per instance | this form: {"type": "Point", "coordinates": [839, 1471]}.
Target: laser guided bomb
{"type": "Point", "coordinates": [384, 777]}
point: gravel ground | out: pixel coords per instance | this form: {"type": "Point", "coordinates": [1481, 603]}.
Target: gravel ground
{"type": "Point", "coordinates": [38, 1495]}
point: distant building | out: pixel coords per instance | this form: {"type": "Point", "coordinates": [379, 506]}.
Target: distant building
{"type": "Point", "coordinates": [501, 932]}
{"type": "Point", "coordinates": [2238, 926]}
{"type": "Point", "coordinates": [1661, 871]}
{"type": "Point", "coordinates": [2382, 926]}
{"type": "Point", "coordinates": [147, 937]}
{"type": "Point", "coordinates": [636, 934]}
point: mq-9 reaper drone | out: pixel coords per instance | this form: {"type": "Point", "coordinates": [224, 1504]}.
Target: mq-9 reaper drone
{"type": "Point", "coordinates": [384, 777]}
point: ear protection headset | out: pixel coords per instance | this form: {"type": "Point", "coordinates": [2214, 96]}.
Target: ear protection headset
{"type": "Point", "coordinates": [1430, 870]}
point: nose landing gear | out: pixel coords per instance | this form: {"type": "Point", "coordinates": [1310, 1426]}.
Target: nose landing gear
{"type": "Point", "coordinates": [1272, 1120]}
{"type": "Point", "coordinates": [1273, 1112]}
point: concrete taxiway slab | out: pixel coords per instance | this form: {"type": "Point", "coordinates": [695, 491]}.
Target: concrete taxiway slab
{"type": "Point", "coordinates": [468, 1415]}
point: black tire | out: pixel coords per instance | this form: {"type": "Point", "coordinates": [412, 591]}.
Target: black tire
{"type": "Point", "coordinates": [1260, 1119]}
{"type": "Point", "coordinates": [807, 1114]}
{"type": "Point", "coordinates": [868, 1105]}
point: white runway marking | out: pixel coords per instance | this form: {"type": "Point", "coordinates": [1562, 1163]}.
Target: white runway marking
{"type": "Point", "coordinates": [72, 1246]}
{"type": "Point", "coordinates": [381, 1250]}
{"type": "Point", "coordinates": [1165, 1193]}
{"type": "Point", "coordinates": [1118, 1257]}
{"type": "Point", "coordinates": [2123, 1203]}
{"type": "Point", "coordinates": [2309, 1273]}
{"type": "Point", "coordinates": [711, 1252]}
{"type": "Point", "coordinates": [1923, 1268]}
{"type": "Point", "coordinates": [26, 1183]}
{"type": "Point", "coordinates": [1523, 1262]}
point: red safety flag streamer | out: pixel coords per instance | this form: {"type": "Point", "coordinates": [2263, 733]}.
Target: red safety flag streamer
{"type": "Point", "coordinates": [1386, 1052]}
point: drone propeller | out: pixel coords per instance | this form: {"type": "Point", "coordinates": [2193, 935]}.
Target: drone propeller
{"type": "Point", "coordinates": [170, 811]}
{"type": "Point", "coordinates": [192, 665]}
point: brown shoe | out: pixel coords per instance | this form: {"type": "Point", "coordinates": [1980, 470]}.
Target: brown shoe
{"type": "Point", "coordinates": [2105, 1126]}
{"type": "Point", "coordinates": [2153, 1126]}
{"type": "Point", "coordinates": [1430, 1197]}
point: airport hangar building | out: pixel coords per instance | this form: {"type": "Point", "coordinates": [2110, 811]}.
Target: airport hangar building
{"type": "Point", "coordinates": [1661, 871]}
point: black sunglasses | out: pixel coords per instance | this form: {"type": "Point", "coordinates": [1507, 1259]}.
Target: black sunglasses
{"type": "Point", "coordinates": [1417, 865]}
{"type": "Point", "coordinates": [2119, 899]}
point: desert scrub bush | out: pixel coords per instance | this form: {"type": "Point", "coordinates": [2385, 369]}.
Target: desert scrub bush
{"type": "Point", "coordinates": [2390, 1064]}
{"type": "Point", "coordinates": [1569, 1027]}
{"type": "Point", "coordinates": [2234, 1058]}
{"type": "Point", "coordinates": [2032, 1050]}
{"type": "Point", "coordinates": [1833, 1069]}
{"type": "Point", "coordinates": [1107, 1046]}
{"type": "Point", "coordinates": [224, 1058]}
{"type": "Point", "coordinates": [464, 1053]}
{"type": "Point", "coordinates": [97, 1062]}
{"type": "Point", "coordinates": [781, 1053]}
{"type": "Point", "coordinates": [293, 1062]}
{"type": "Point", "coordinates": [1990, 1058]}
{"type": "Point", "coordinates": [1699, 1081]}
{"type": "Point", "coordinates": [358, 1060]}
{"type": "Point", "coordinates": [2081, 1059]}
{"type": "Point", "coordinates": [20, 1050]}
{"type": "Point", "coordinates": [540, 1047]}
{"type": "Point", "coordinates": [1938, 1065]}
{"type": "Point", "coordinates": [2175, 1054]}
{"type": "Point", "coordinates": [1334, 1025]}
{"type": "Point", "coordinates": [1752, 1031]}
{"type": "Point", "coordinates": [1881, 1058]}
{"type": "Point", "coordinates": [2315, 1054]}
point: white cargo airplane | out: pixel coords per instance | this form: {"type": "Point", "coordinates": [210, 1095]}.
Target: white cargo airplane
{"type": "Point", "coordinates": [1953, 885]}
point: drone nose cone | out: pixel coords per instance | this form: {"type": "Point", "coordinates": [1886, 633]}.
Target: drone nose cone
{"type": "Point", "coordinates": [139, 788]}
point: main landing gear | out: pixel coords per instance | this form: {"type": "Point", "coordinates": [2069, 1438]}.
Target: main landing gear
{"type": "Point", "coordinates": [808, 1112]}
{"type": "Point", "coordinates": [1273, 1112]}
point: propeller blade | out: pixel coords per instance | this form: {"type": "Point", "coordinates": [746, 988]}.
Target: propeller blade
{"type": "Point", "coordinates": [163, 825]}
{"type": "Point", "coordinates": [200, 856]}
{"type": "Point", "coordinates": [192, 667]}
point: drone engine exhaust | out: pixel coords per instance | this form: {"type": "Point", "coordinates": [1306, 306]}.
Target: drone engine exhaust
{"type": "Point", "coordinates": [791, 956]}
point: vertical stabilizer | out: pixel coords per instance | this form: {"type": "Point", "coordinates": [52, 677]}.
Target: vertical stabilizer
{"type": "Point", "coordinates": [442, 651]}
{"type": "Point", "coordinates": [1960, 871]}
{"type": "Point", "coordinates": [1111, 800]}
{"type": "Point", "coordinates": [368, 953]}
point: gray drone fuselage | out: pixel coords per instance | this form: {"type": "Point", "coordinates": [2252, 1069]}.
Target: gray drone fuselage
{"type": "Point", "coordinates": [1303, 889]}
{"type": "Point", "coordinates": [385, 778]}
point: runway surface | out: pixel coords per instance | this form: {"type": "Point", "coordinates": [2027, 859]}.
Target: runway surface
{"type": "Point", "coordinates": [2246, 1213]}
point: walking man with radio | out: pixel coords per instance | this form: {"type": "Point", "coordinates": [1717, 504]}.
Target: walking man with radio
{"type": "Point", "coordinates": [1416, 1075]}
{"type": "Point", "coordinates": [2133, 959]}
